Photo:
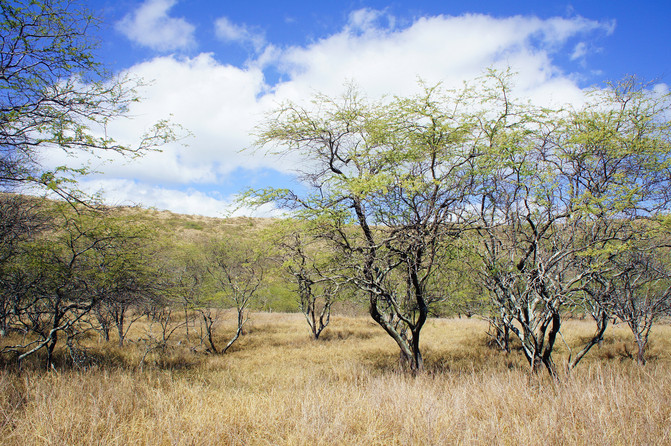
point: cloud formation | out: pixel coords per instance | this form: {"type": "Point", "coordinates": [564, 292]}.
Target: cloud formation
{"type": "Point", "coordinates": [221, 103]}
{"type": "Point", "coordinates": [386, 60]}
{"type": "Point", "coordinates": [228, 31]}
{"type": "Point", "coordinates": [151, 26]}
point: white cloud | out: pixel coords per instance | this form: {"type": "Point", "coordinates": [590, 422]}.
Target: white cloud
{"type": "Point", "coordinates": [220, 104]}
{"type": "Point", "coordinates": [230, 32]}
{"type": "Point", "coordinates": [661, 89]}
{"type": "Point", "coordinates": [217, 103]}
{"type": "Point", "coordinates": [131, 193]}
{"type": "Point", "coordinates": [119, 192]}
{"type": "Point", "coordinates": [558, 30]}
{"type": "Point", "coordinates": [579, 51]}
{"type": "Point", "coordinates": [369, 20]}
{"type": "Point", "coordinates": [437, 49]}
{"type": "Point", "coordinates": [151, 26]}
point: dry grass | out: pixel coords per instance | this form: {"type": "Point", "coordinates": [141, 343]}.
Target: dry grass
{"type": "Point", "coordinates": [279, 387]}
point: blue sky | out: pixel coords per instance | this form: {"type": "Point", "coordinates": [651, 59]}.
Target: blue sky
{"type": "Point", "coordinates": [216, 67]}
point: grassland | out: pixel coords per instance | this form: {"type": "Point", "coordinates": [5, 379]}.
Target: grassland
{"type": "Point", "coordinates": [277, 386]}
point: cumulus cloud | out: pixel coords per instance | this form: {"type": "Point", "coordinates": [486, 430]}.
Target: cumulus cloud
{"type": "Point", "coordinates": [446, 49]}
{"type": "Point", "coordinates": [220, 103]}
{"type": "Point", "coordinates": [230, 32]}
{"type": "Point", "coordinates": [151, 26]}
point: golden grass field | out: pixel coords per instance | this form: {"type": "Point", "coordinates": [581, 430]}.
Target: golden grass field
{"type": "Point", "coordinates": [277, 387]}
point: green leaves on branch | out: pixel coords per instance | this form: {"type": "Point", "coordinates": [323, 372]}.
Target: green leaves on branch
{"type": "Point", "coordinates": [55, 95]}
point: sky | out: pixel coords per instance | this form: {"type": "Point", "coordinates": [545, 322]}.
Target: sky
{"type": "Point", "coordinates": [217, 67]}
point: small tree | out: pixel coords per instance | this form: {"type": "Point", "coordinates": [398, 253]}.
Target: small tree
{"type": "Point", "coordinates": [236, 269]}
{"type": "Point", "coordinates": [643, 293]}
{"type": "Point", "coordinates": [316, 276]}
{"type": "Point", "coordinates": [133, 283]}
{"type": "Point", "coordinates": [192, 285]}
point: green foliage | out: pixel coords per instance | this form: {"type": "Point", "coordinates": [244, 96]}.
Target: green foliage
{"type": "Point", "coordinates": [82, 261]}
{"type": "Point", "coordinates": [387, 188]}
{"type": "Point", "coordinates": [55, 95]}
{"type": "Point", "coordinates": [577, 191]}
{"type": "Point", "coordinates": [552, 198]}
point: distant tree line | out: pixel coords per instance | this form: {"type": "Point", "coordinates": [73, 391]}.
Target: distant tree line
{"type": "Point", "coordinates": [68, 270]}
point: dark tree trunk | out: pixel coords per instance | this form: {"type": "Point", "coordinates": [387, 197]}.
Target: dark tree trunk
{"type": "Point", "coordinates": [50, 349]}
{"type": "Point", "coordinates": [120, 327]}
{"type": "Point", "coordinates": [208, 322]}
{"type": "Point", "coordinates": [641, 343]}
{"type": "Point", "coordinates": [601, 324]}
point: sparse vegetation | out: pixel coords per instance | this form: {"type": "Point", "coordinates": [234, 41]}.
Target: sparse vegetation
{"type": "Point", "coordinates": [540, 223]}
{"type": "Point", "coordinates": [277, 386]}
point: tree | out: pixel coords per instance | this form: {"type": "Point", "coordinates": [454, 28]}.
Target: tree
{"type": "Point", "coordinates": [618, 147]}
{"type": "Point", "coordinates": [388, 186]}
{"type": "Point", "coordinates": [189, 274]}
{"type": "Point", "coordinates": [562, 194]}
{"type": "Point", "coordinates": [316, 276]}
{"type": "Point", "coordinates": [237, 270]}
{"type": "Point", "coordinates": [55, 95]}
{"type": "Point", "coordinates": [21, 220]}
{"type": "Point", "coordinates": [133, 282]}
{"type": "Point", "coordinates": [643, 293]}
{"type": "Point", "coordinates": [77, 265]}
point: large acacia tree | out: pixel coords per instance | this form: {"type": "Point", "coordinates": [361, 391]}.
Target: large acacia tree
{"type": "Point", "coordinates": [387, 186]}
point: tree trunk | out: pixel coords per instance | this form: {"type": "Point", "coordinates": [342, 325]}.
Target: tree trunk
{"type": "Point", "coordinates": [414, 363]}
{"type": "Point", "coordinates": [50, 349]}
{"type": "Point", "coordinates": [120, 328]}
{"type": "Point", "coordinates": [410, 356]}
{"type": "Point", "coordinates": [602, 324]}
{"type": "Point", "coordinates": [207, 322]}
{"type": "Point", "coordinates": [239, 331]}
{"type": "Point", "coordinates": [105, 329]}
{"type": "Point", "coordinates": [186, 320]}
{"type": "Point", "coordinates": [549, 347]}
{"type": "Point", "coordinates": [641, 344]}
